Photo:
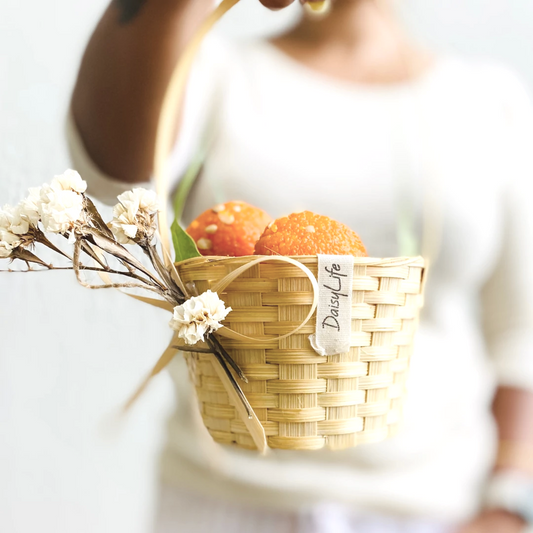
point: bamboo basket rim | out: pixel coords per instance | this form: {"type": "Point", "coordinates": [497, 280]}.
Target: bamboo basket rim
{"type": "Point", "coordinates": [308, 259]}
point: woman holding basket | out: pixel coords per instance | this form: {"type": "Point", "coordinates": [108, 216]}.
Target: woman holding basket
{"type": "Point", "coordinates": [345, 116]}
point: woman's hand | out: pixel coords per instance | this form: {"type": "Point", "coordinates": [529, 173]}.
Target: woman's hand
{"type": "Point", "coordinates": [494, 521]}
{"type": "Point", "coordinates": [277, 4]}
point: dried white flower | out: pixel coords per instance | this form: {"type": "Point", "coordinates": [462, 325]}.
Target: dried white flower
{"type": "Point", "coordinates": [12, 220]}
{"type": "Point", "coordinates": [8, 242]}
{"type": "Point", "coordinates": [60, 210]}
{"type": "Point", "coordinates": [199, 316]}
{"type": "Point", "coordinates": [31, 205]}
{"type": "Point", "coordinates": [140, 200]}
{"type": "Point", "coordinates": [60, 203]}
{"type": "Point", "coordinates": [70, 180]}
{"type": "Point", "coordinates": [134, 216]}
{"type": "Point", "coordinates": [5, 252]}
{"type": "Point", "coordinates": [14, 229]}
{"type": "Point", "coordinates": [123, 225]}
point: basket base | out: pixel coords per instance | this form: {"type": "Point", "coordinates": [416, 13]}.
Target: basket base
{"type": "Point", "coordinates": [226, 427]}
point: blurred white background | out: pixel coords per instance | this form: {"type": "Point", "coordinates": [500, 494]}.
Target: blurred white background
{"type": "Point", "coordinates": [68, 356]}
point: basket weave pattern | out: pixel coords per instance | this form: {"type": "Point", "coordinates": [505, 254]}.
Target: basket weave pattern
{"type": "Point", "coordinates": [305, 401]}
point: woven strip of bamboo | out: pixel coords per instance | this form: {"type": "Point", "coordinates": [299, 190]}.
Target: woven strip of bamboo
{"type": "Point", "coordinates": [305, 401]}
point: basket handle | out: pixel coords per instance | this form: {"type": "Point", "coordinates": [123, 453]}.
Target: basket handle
{"type": "Point", "coordinates": [167, 119]}
{"type": "Point", "coordinates": [170, 107]}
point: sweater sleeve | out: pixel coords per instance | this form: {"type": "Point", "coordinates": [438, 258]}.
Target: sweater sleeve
{"type": "Point", "coordinates": [203, 90]}
{"type": "Point", "coordinates": [507, 298]}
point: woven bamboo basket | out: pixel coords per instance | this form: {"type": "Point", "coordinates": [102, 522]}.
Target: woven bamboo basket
{"type": "Point", "coordinates": [305, 401]}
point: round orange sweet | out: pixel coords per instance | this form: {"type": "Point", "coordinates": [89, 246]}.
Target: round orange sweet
{"type": "Point", "coordinates": [307, 233]}
{"type": "Point", "coordinates": [229, 229]}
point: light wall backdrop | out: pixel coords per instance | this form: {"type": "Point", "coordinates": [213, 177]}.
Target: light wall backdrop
{"type": "Point", "coordinates": [69, 356]}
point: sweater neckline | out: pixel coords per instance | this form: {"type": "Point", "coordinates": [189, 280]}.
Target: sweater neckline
{"type": "Point", "coordinates": [432, 72]}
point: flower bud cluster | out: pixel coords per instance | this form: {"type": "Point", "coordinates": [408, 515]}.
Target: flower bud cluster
{"type": "Point", "coordinates": [134, 217]}
{"type": "Point", "coordinates": [61, 202]}
{"type": "Point", "coordinates": [58, 205]}
{"type": "Point", "coordinates": [12, 227]}
{"type": "Point", "coordinates": [199, 316]}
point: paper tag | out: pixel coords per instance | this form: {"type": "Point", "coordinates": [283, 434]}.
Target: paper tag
{"type": "Point", "coordinates": [333, 314]}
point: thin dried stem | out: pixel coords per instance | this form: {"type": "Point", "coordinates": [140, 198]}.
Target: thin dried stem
{"type": "Point", "coordinates": [84, 267]}
{"type": "Point", "coordinates": [175, 275]}
{"type": "Point", "coordinates": [178, 281]}
{"type": "Point", "coordinates": [217, 348]}
{"type": "Point", "coordinates": [193, 349]}
{"type": "Point", "coordinates": [41, 238]}
{"type": "Point", "coordinates": [81, 281]}
{"type": "Point", "coordinates": [128, 266]}
{"type": "Point", "coordinates": [151, 252]}
{"type": "Point", "coordinates": [115, 249]}
{"type": "Point", "coordinates": [119, 286]}
{"type": "Point", "coordinates": [233, 382]}
{"type": "Point", "coordinates": [86, 247]}
{"type": "Point", "coordinates": [96, 218]}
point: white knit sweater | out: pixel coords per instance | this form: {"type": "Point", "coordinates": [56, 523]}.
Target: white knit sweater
{"type": "Point", "coordinates": [287, 138]}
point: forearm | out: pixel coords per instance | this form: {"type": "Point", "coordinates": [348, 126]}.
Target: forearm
{"type": "Point", "coordinates": [123, 78]}
{"type": "Point", "coordinates": [513, 410]}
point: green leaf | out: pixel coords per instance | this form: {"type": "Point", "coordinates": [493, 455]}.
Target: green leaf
{"type": "Point", "coordinates": [184, 246]}
{"type": "Point", "coordinates": [186, 183]}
